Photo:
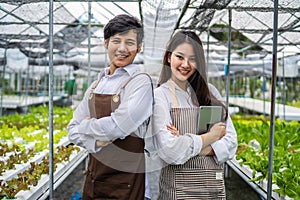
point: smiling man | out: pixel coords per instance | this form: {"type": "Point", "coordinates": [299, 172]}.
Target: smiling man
{"type": "Point", "coordinates": [111, 120]}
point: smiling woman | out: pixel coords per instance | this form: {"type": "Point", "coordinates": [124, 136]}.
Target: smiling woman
{"type": "Point", "coordinates": [194, 160]}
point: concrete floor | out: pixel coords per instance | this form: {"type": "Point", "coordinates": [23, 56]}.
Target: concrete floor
{"type": "Point", "coordinates": [236, 188]}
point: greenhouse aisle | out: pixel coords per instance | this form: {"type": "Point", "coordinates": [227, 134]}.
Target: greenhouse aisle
{"type": "Point", "coordinates": [282, 111]}
{"type": "Point", "coordinates": [73, 183]}
{"type": "Point", "coordinates": [236, 188]}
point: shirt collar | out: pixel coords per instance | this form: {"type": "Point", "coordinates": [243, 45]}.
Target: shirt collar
{"type": "Point", "coordinates": [130, 69]}
{"type": "Point", "coordinates": [188, 90]}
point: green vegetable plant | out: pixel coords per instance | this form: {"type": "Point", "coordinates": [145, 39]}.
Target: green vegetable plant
{"type": "Point", "coordinates": [33, 137]}
{"type": "Point", "coordinates": [31, 176]}
{"type": "Point", "coordinates": [253, 149]}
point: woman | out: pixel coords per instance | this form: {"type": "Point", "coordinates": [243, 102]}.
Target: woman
{"type": "Point", "coordinates": [194, 167]}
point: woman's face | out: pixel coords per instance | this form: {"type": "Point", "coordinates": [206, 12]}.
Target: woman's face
{"type": "Point", "coordinates": [183, 63]}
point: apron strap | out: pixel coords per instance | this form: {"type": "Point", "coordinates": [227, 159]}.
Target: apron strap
{"type": "Point", "coordinates": [128, 80]}
{"type": "Point", "coordinates": [122, 86]}
{"type": "Point", "coordinates": [93, 88]}
{"type": "Point", "coordinates": [172, 90]}
{"type": "Point", "coordinates": [95, 85]}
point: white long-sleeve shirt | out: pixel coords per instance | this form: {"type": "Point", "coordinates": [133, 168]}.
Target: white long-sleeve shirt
{"type": "Point", "coordinates": [131, 115]}
{"type": "Point", "coordinates": [178, 149]}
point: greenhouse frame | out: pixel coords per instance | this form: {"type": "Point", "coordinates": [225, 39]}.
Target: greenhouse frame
{"type": "Point", "coordinates": [51, 51]}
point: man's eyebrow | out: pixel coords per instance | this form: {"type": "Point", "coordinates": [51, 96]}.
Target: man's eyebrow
{"type": "Point", "coordinates": [118, 38]}
{"type": "Point", "coordinates": [131, 40]}
{"type": "Point", "coordinates": [114, 39]}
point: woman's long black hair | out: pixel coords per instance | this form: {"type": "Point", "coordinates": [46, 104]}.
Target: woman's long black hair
{"type": "Point", "coordinates": [198, 81]}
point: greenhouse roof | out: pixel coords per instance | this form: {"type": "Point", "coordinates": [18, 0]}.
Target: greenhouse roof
{"type": "Point", "coordinates": [24, 24]}
{"type": "Point", "coordinates": [252, 18]}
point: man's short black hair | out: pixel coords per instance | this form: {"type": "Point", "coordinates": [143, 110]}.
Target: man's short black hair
{"type": "Point", "coordinates": [122, 24]}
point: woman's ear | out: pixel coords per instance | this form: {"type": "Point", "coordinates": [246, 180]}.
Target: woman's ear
{"type": "Point", "coordinates": [169, 58]}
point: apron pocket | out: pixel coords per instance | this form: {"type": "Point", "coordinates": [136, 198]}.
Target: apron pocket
{"type": "Point", "coordinates": [110, 190]}
{"type": "Point", "coordinates": [199, 183]}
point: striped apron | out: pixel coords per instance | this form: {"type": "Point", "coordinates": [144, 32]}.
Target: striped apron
{"type": "Point", "coordinates": [200, 177]}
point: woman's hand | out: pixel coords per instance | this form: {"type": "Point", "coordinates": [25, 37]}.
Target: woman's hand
{"type": "Point", "coordinates": [173, 129]}
{"type": "Point", "coordinates": [207, 151]}
{"type": "Point", "coordinates": [216, 132]}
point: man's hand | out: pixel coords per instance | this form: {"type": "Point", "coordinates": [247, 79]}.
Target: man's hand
{"type": "Point", "coordinates": [102, 144]}
{"type": "Point", "coordinates": [173, 129]}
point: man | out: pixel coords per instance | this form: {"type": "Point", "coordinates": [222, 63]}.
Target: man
{"type": "Point", "coordinates": [111, 120]}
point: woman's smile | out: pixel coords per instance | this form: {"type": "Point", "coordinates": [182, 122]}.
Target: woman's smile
{"type": "Point", "coordinates": [183, 65]}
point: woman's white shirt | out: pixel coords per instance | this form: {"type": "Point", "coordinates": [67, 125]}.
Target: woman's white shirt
{"type": "Point", "coordinates": [179, 149]}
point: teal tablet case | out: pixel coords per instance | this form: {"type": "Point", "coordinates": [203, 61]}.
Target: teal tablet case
{"type": "Point", "coordinates": [208, 115]}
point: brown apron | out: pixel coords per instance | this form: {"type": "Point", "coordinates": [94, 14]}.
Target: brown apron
{"type": "Point", "coordinates": [118, 170]}
{"type": "Point", "coordinates": [200, 178]}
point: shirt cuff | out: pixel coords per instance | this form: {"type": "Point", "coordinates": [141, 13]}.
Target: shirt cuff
{"type": "Point", "coordinates": [89, 144]}
{"type": "Point", "coordinates": [197, 144]}
{"type": "Point", "coordinates": [219, 149]}
{"type": "Point", "coordinates": [82, 127]}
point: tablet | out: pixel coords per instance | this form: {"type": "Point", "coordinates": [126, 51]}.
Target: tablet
{"type": "Point", "coordinates": [208, 115]}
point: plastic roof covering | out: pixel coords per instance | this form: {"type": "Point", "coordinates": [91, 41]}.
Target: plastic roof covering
{"type": "Point", "coordinates": [24, 24]}
{"type": "Point", "coordinates": [159, 20]}
{"type": "Point", "coordinates": [252, 18]}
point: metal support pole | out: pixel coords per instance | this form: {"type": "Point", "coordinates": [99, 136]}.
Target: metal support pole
{"type": "Point", "coordinates": [273, 99]}
{"type": "Point", "coordinates": [27, 82]}
{"type": "Point", "coordinates": [226, 171]}
{"type": "Point", "coordinates": [283, 86]}
{"type": "Point", "coordinates": [228, 58]}
{"type": "Point", "coordinates": [51, 82]}
{"type": "Point", "coordinates": [3, 84]}
{"type": "Point", "coordinates": [89, 43]}
{"type": "Point", "coordinates": [207, 52]}
{"type": "Point", "coordinates": [264, 84]}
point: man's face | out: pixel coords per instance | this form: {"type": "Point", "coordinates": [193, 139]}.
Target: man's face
{"type": "Point", "coordinates": [122, 49]}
